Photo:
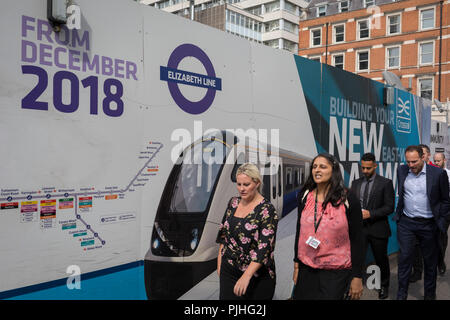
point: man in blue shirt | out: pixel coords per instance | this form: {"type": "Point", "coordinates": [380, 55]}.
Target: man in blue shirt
{"type": "Point", "coordinates": [422, 210]}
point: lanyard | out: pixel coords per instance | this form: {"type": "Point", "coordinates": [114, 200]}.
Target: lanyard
{"type": "Point", "coordinates": [316, 224]}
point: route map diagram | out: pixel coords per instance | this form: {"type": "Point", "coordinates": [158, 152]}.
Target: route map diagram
{"type": "Point", "coordinates": [80, 201]}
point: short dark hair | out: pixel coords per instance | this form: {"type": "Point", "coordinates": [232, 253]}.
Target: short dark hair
{"type": "Point", "coordinates": [418, 149]}
{"type": "Point", "coordinates": [368, 157]}
{"type": "Point", "coordinates": [425, 146]}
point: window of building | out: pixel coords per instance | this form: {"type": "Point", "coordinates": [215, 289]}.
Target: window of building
{"type": "Point", "coordinates": [338, 61]}
{"type": "Point", "coordinates": [339, 33]}
{"type": "Point", "coordinates": [273, 26]}
{"type": "Point", "coordinates": [343, 6]}
{"type": "Point", "coordinates": [289, 45]}
{"type": "Point", "coordinates": [363, 29]}
{"type": "Point", "coordinates": [393, 57]}
{"type": "Point", "coordinates": [316, 37]}
{"type": "Point", "coordinates": [393, 24]}
{"type": "Point", "coordinates": [425, 88]}
{"type": "Point", "coordinates": [426, 19]}
{"type": "Point", "coordinates": [243, 26]}
{"type": "Point", "coordinates": [255, 10]}
{"type": "Point", "coordinates": [321, 11]}
{"type": "Point", "coordinates": [272, 6]}
{"type": "Point", "coordinates": [314, 58]}
{"type": "Point", "coordinates": [164, 4]}
{"type": "Point", "coordinates": [257, 26]}
{"type": "Point", "coordinates": [273, 43]}
{"type": "Point", "coordinates": [426, 53]}
{"type": "Point", "coordinates": [362, 60]}
{"type": "Point", "coordinates": [368, 3]}
{"type": "Point", "coordinates": [232, 17]}
{"type": "Point", "coordinates": [290, 27]}
{"type": "Point", "coordinates": [289, 7]}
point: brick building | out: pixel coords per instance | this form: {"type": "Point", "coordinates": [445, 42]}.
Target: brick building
{"type": "Point", "coordinates": [367, 37]}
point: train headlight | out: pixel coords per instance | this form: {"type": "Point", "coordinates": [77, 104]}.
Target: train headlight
{"type": "Point", "coordinates": [156, 244]}
{"type": "Point", "coordinates": [194, 241]}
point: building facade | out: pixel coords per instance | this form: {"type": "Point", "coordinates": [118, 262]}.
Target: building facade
{"type": "Point", "coordinates": [274, 23]}
{"type": "Point", "coordinates": [409, 38]}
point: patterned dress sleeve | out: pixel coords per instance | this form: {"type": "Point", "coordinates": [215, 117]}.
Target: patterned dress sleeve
{"type": "Point", "coordinates": [265, 236]}
{"type": "Point", "coordinates": [223, 227]}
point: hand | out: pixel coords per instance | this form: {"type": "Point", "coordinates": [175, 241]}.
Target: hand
{"type": "Point", "coordinates": [356, 289]}
{"type": "Point", "coordinates": [295, 275]}
{"type": "Point", "coordinates": [365, 214]}
{"type": "Point", "coordinates": [240, 288]}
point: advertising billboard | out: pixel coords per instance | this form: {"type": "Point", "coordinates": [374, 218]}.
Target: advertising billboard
{"type": "Point", "coordinates": [120, 139]}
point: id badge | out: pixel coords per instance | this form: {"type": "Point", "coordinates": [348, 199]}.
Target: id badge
{"type": "Point", "coordinates": [313, 242]}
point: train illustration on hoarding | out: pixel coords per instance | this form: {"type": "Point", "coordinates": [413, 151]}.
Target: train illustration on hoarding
{"type": "Point", "coordinates": [183, 250]}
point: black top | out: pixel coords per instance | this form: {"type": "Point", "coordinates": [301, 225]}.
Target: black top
{"type": "Point", "coordinates": [251, 238]}
{"type": "Point", "coordinates": [233, 221]}
{"type": "Point", "coordinates": [355, 229]}
{"type": "Point", "coordinates": [381, 204]}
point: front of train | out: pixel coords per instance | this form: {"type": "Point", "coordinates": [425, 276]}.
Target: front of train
{"type": "Point", "coordinates": [183, 249]}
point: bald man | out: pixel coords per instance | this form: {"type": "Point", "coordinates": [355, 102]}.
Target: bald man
{"type": "Point", "coordinates": [440, 161]}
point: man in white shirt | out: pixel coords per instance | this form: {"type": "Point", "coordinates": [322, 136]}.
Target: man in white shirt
{"type": "Point", "coordinates": [440, 161]}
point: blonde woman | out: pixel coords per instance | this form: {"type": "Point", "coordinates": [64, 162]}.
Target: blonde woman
{"type": "Point", "coordinates": [245, 263]}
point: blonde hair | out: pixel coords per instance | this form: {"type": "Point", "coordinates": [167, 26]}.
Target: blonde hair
{"type": "Point", "coordinates": [252, 171]}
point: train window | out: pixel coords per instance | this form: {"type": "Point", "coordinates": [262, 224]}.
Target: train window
{"type": "Point", "coordinates": [296, 177]}
{"type": "Point", "coordinates": [302, 176]}
{"type": "Point", "coordinates": [196, 180]}
{"type": "Point", "coordinates": [288, 179]}
{"type": "Point", "coordinates": [305, 171]}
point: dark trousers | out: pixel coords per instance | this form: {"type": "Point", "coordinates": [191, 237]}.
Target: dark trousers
{"type": "Point", "coordinates": [320, 284]}
{"type": "Point", "coordinates": [425, 231]}
{"type": "Point", "coordinates": [418, 259]}
{"type": "Point", "coordinates": [379, 250]}
{"type": "Point", "coordinates": [259, 288]}
{"type": "Point", "coordinates": [443, 241]}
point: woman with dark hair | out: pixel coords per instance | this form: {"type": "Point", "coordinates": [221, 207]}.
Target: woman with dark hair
{"type": "Point", "coordinates": [328, 243]}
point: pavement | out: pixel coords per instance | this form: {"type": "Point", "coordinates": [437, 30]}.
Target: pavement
{"type": "Point", "coordinates": [415, 291]}
{"type": "Point", "coordinates": [208, 288]}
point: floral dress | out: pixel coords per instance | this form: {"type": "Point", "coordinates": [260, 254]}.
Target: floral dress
{"type": "Point", "coordinates": [252, 238]}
